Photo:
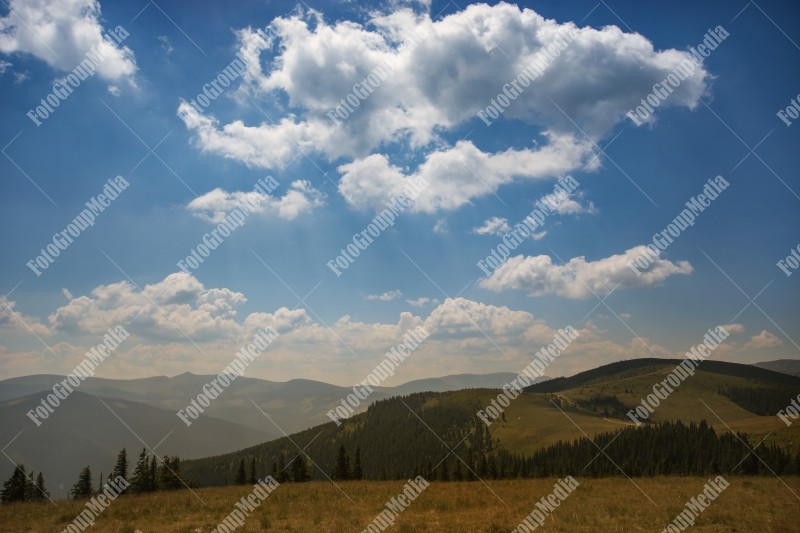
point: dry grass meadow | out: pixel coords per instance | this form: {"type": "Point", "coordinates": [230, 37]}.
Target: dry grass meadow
{"type": "Point", "coordinates": [608, 505]}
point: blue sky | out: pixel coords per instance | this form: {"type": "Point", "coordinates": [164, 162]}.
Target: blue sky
{"type": "Point", "coordinates": [185, 173]}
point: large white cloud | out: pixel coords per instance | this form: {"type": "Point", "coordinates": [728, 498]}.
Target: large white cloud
{"type": "Point", "coordinates": [61, 32]}
{"type": "Point", "coordinates": [459, 174]}
{"type": "Point", "coordinates": [456, 317]}
{"type": "Point", "coordinates": [441, 73]}
{"type": "Point", "coordinates": [171, 309]}
{"type": "Point", "coordinates": [579, 278]}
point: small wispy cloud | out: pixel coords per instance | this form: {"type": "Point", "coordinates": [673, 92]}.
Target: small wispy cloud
{"type": "Point", "coordinates": [385, 296]}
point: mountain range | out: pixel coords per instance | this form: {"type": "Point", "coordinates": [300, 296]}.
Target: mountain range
{"type": "Point", "coordinates": [105, 415]}
{"type": "Point", "coordinates": [413, 423]}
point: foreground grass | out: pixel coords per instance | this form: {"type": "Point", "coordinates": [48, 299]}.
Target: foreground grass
{"type": "Point", "coordinates": [609, 505]}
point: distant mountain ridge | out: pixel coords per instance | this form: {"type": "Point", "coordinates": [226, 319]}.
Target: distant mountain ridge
{"type": "Point", "coordinates": [90, 430]}
{"type": "Point", "coordinates": [294, 405]}
{"type": "Point", "coordinates": [785, 366]}
{"type": "Point", "coordinates": [635, 365]}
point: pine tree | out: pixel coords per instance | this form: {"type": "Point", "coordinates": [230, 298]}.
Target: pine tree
{"type": "Point", "coordinates": [121, 468]}
{"type": "Point", "coordinates": [483, 469]}
{"type": "Point", "coordinates": [30, 487]}
{"type": "Point", "coordinates": [152, 479]}
{"type": "Point", "coordinates": [14, 488]}
{"type": "Point", "coordinates": [169, 473]}
{"type": "Point", "coordinates": [470, 466]}
{"type": "Point", "coordinates": [83, 488]}
{"type": "Point", "coordinates": [457, 475]}
{"type": "Point", "coordinates": [283, 472]}
{"type": "Point", "coordinates": [241, 477]}
{"type": "Point", "coordinates": [253, 478]}
{"type": "Point", "coordinates": [140, 482]}
{"type": "Point", "coordinates": [357, 472]}
{"type": "Point", "coordinates": [342, 469]}
{"type": "Point", "coordinates": [443, 475]}
{"type": "Point", "coordinates": [299, 469]}
{"type": "Point", "coordinates": [41, 493]}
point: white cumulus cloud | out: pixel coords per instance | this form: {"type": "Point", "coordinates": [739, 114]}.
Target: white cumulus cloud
{"type": "Point", "coordinates": [60, 33]}
{"type": "Point", "coordinates": [441, 72]}
{"type": "Point", "coordinates": [301, 197]}
{"type": "Point", "coordinates": [765, 339]}
{"type": "Point", "coordinates": [579, 278]}
{"type": "Point", "coordinates": [493, 226]}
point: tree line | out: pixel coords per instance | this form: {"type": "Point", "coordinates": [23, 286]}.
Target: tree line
{"type": "Point", "coordinates": [21, 487]}
{"type": "Point", "coordinates": [149, 474]}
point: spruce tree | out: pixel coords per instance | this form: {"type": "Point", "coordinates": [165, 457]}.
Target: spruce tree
{"type": "Point", "coordinates": [41, 491]}
{"type": "Point", "coordinates": [14, 488]}
{"type": "Point", "coordinates": [169, 473]}
{"type": "Point", "coordinates": [83, 487]}
{"type": "Point", "coordinates": [470, 473]}
{"type": "Point", "coordinates": [341, 471]}
{"type": "Point", "coordinates": [140, 482]}
{"type": "Point", "coordinates": [241, 477]}
{"type": "Point", "coordinates": [30, 487]}
{"type": "Point", "coordinates": [121, 468]}
{"type": "Point", "coordinates": [283, 472]}
{"type": "Point", "coordinates": [153, 477]}
{"type": "Point", "coordinates": [253, 478]}
{"type": "Point", "coordinates": [299, 469]}
{"type": "Point", "coordinates": [357, 472]}
{"type": "Point", "coordinates": [457, 475]}
{"type": "Point", "coordinates": [443, 475]}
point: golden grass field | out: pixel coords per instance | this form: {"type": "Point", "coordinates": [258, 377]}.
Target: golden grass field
{"type": "Point", "coordinates": [597, 505]}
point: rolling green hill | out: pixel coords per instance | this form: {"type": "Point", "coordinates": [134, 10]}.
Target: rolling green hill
{"type": "Point", "coordinates": [402, 436]}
